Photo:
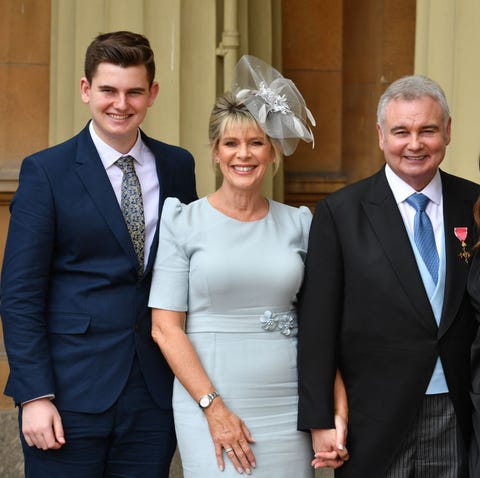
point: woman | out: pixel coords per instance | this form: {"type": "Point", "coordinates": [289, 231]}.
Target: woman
{"type": "Point", "coordinates": [473, 287]}
{"type": "Point", "coordinates": [234, 261]}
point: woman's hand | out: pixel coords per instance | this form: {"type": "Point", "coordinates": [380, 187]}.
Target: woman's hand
{"type": "Point", "coordinates": [341, 429]}
{"type": "Point", "coordinates": [330, 445]}
{"type": "Point", "coordinates": [230, 435]}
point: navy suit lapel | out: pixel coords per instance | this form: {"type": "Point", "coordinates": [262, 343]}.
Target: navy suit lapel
{"type": "Point", "coordinates": [386, 220]}
{"type": "Point", "coordinates": [165, 191]}
{"type": "Point", "coordinates": [93, 175]}
{"type": "Point", "coordinates": [457, 212]}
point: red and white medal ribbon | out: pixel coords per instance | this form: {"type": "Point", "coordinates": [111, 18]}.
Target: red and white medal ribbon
{"type": "Point", "coordinates": [461, 234]}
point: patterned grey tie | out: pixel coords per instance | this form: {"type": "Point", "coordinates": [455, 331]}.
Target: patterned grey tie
{"type": "Point", "coordinates": [132, 208]}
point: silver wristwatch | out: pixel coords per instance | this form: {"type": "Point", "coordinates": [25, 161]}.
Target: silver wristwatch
{"type": "Point", "coordinates": [207, 400]}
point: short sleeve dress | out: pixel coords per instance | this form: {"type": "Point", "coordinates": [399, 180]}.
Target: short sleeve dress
{"type": "Point", "coordinates": [238, 283]}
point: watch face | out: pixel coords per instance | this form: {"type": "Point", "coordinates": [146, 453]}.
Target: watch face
{"type": "Point", "coordinates": [205, 401]}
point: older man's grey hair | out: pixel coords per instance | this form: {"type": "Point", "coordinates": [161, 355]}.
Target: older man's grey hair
{"type": "Point", "coordinates": [410, 88]}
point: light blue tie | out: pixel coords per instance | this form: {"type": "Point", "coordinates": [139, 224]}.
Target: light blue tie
{"type": "Point", "coordinates": [423, 234]}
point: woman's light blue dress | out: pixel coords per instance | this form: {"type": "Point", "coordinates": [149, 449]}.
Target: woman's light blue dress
{"type": "Point", "coordinates": [238, 282]}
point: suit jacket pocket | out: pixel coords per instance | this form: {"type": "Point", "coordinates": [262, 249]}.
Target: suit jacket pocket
{"type": "Point", "coordinates": [68, 323]}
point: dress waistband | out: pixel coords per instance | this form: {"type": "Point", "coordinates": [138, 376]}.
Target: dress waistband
{"type": "Point", "coordinates": [283, 322]}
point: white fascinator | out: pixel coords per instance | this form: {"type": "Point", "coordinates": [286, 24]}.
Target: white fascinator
{"type": "Point", "coordinates": [274, 101]}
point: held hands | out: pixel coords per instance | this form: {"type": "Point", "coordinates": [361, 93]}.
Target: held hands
{"type": "Point", "coordinates": [329, 445]}
{"type": "Point", "coordinates": [42, 425]}
{"type": "Point", "coordinates": [230, 435]}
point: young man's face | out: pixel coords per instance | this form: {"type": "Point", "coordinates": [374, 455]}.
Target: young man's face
{"type": "Point", "coordinates": [118, 99]}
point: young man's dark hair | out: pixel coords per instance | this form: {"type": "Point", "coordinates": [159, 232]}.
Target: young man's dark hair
{"type": "Point", "coordinates": [120, 48]}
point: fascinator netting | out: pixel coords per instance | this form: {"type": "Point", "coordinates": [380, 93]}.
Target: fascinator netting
{"type": "Point", "coordinates": [274, 101]}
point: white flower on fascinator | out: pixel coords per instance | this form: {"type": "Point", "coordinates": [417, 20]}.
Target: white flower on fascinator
{"type": "Point", "coordinates": [273, 102]}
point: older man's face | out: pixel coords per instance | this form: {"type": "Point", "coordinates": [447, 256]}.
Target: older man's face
{"type": "Point", "coordinates": [414, 139]}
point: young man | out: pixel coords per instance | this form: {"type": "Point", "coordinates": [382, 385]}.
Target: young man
{"type": "Point", "coordinates": [94, 391]}
{"type": "Point", "coordinates": [384, 301]}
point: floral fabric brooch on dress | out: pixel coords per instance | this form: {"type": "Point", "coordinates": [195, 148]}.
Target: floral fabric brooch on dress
{"type": "Point", "coordinates": [285, 322]}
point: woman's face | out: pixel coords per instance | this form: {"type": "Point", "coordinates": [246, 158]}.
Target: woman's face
{"type": "Point", "coordinates": [244, 153]}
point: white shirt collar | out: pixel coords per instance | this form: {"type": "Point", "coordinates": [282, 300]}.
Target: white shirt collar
{"type": "Point", "coordinates": [109, 155]}
{"type": "Point", "coordinates": [402, 190]}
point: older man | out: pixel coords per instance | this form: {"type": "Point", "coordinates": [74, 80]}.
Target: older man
{"type": "Point", "coordinates": [384, 301]}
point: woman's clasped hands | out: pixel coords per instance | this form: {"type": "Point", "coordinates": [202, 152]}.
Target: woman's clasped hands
{"type": "Point", "coordinates": [329, 445]}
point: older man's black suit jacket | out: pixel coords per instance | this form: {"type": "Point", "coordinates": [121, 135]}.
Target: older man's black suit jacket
{"type": "Point", "coordinates": [364, 309]}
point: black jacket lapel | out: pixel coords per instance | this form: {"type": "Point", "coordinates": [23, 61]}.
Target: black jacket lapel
{"type": "Point", "coordinates": [457, 212]}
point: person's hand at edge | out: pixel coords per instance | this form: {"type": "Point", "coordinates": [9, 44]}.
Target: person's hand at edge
{"type": "Point", "coordinates": [42, 425]}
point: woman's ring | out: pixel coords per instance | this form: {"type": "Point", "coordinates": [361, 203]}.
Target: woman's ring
{"type": "Point", "coordinates": [228, 450]}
